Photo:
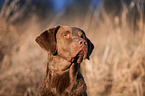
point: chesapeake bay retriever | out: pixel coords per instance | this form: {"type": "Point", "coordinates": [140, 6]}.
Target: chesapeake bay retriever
{"type": "Point", "coordinates": [66, 47]}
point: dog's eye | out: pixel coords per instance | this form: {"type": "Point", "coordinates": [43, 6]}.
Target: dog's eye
{"type": "Point", "coordinates": [66, 35]}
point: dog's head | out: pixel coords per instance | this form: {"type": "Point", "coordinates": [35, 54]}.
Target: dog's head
{"type": "Point", "coordinates": [70, 43]}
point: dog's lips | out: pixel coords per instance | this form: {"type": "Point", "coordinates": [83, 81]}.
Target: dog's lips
{"type": "Point", "coordinates": [82, 54]}
{"type": "Point", "coordinates": [85, 52]}
{"type": "Point", "coordinates": [80, 57]}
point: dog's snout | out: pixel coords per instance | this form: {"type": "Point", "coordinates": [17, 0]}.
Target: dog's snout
{"type": "Point", "coordinates": [82, 42]}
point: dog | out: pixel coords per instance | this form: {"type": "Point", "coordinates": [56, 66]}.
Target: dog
{"type": "Point", "coordinates": [67, 47]}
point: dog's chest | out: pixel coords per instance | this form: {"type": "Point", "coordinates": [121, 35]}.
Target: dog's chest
{"type": "Point", "coordinates": [61, 85]}
{"type": "Point", "coordinates": [60, 82]}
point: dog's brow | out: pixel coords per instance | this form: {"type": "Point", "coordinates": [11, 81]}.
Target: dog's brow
{"type": "Point", "coordinates": [66, 32]}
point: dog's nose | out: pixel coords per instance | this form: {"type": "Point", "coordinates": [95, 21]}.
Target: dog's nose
{"type": "Point", "coordinates": [82, 42]}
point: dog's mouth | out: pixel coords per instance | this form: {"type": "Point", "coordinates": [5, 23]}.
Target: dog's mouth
{"type": "Point", "coordinates": [82, 54]}
{"type": "Point", "coordinates": [78, 58]}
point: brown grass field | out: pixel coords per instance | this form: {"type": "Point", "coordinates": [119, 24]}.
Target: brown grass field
{"type": "Point", "coordinates": [116, 66]}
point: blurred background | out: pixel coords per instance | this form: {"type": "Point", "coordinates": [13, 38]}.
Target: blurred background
{"type": "Point", "coordinates": [116, 28]}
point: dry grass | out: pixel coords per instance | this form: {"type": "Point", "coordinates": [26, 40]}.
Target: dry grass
{"type": "Point", "coordinates": [116, 68]}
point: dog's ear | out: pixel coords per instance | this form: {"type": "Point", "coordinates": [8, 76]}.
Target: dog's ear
{"type": "Point", "coordinates": [90, 48]}
{"type": "Point", "coordinates": [47, 40]}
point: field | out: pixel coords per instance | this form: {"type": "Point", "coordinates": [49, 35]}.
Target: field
{"type": "Point", "coordinates": [116, 66]}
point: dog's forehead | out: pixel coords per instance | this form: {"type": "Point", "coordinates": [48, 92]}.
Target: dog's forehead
{"type": "Point", "coordinates": [77, 30]}
{"type": "Point", "coordinates": [74, 30]}
{"type": "Point", "coordinates": [64, 29]}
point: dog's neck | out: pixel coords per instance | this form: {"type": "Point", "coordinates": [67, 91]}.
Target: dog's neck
{"type": "Point", "coordinates": [58, 64]}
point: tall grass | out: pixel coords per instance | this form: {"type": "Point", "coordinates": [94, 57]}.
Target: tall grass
{"type": "Point", "coordinates": [116, 66]}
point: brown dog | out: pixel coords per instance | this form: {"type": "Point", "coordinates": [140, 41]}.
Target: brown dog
{"type": "Point", "coordinates": [66, 47]}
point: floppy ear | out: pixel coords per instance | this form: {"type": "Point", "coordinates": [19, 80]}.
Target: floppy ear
{"type": "Point", "coordinates": [90, 48]}
{"type": "Point", "coordinates": [47, 40]}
